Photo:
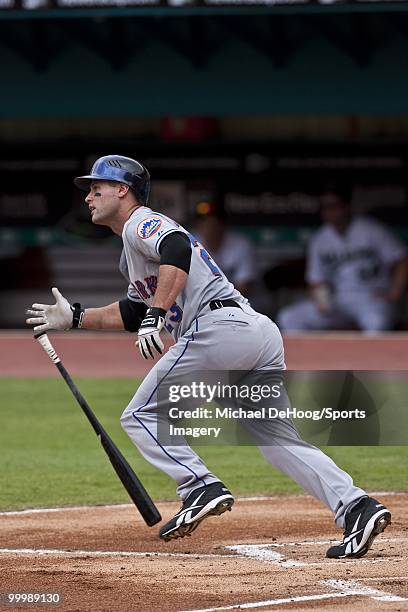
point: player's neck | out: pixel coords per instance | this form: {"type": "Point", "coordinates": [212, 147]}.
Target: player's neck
{"type": "Point", "coordinates": [343, 226]}
{"type": "Point", "coordinates": [117, 224]}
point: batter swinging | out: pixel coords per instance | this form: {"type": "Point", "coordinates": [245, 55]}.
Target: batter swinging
{"type": "Point", "coordinates": [175, 284]}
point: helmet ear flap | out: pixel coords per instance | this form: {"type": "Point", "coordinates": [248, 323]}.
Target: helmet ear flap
{"type": "Point", "coordinates": [143, 192]}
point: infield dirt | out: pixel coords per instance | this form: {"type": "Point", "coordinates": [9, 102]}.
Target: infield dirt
{"type": "Point", "coordinates": [287, 536]}
{"type": "Point", "coordinates": [106, 559]}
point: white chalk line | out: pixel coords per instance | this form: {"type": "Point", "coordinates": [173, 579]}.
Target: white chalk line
{"type": "Point", "coordinates": [259, 552]}
{"type": "Point", "coordinates": [255, 552]}
{"type": "Point", "coordinates": [64, 509]}
{"type": "Point", "coordinates": [384, 577]}
{"type": "Point", "coordinates": [124, 506]}
{"type": "Point", "coordinates": [275, 602]}
{"type": "Point", "coordinates": [314, 542]}
{"type": "Point", "coordinates": [348, 588]}
{"type": "Point", "coordinates": [377, 594]}
{"type": "Point", "coordinates": [264, 553]}
{"type": "Point", "coordinates": [104, 553]}
{"type": "Point", "coordinates": [353, 562]}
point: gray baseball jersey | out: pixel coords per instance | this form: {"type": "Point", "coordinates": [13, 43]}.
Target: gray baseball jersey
{"type": "Point", "coordinates": [140, 261]}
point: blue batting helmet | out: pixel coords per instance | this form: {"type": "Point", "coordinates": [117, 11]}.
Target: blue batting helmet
{"type": "Point", "coordinates": [119, 169]}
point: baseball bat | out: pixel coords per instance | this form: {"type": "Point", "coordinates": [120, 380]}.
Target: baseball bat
{"type": "Point", "coordinates": [130, 481]}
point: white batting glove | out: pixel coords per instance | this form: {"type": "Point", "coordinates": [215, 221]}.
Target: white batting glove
{"type": "Point", "coordinates": [47, 316]}
{"type": "Point", "coordinates": [149, 340]}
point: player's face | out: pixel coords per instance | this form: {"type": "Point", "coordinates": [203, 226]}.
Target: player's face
{"type": "Point", "coordinates": [334, 209]}
{"type": "Point", "coordinates": [211, 230]}
{"type": "Point", "coordinates": [103, 201]}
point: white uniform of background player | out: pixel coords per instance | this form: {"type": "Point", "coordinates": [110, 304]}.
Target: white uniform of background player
{"type": "Point", "coordinates": [214, 328]}
{"type": "Point", "coordinates": [234, 253]}
{"type": "Point", "coordinates": [358, 273]}
{"type": "Point", "coordinates": [236, 257]}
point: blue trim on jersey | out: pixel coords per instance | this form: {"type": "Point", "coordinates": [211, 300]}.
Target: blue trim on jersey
{"type": "Point", "coordinates": [151, 395]}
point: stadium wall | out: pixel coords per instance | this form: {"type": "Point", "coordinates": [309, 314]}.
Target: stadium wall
{"type": "Point", "coordinates": [239, 80]}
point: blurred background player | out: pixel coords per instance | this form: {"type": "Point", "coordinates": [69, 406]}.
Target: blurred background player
{"type": "Point", "coordinates": [232, 251]}
{"type": "Point", "coordinates": [356, 269]}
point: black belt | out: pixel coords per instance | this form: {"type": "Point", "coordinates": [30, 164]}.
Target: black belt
{"type": "Point", "coordinates": [216, 304]}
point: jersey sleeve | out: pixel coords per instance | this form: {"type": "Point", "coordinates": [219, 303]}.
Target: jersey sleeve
{"type": "Point", "coordinates": [390, 248]}
{"type": "Point", "coordinates": [145, 236]}
{"type": "Point", "coordinates": [315, 272]}
{"type": "Point", "coordinates": [133, 295]}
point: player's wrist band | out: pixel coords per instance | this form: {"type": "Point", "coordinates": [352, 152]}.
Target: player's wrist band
{"type": "Point", "coordinates": [155, 311]}
{"type": "Point", "coordinates": [152, 317]}
{"type": "Point", "coordinates": [78, 314]}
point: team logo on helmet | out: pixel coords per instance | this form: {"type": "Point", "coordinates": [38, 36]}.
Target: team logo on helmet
{"type": "Point", "coordinates": [148, 227]}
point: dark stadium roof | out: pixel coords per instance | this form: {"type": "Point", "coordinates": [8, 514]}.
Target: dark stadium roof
{"type": "Point", "coordinates": [279, 37]}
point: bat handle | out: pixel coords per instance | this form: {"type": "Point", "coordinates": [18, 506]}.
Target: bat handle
{"type": "Point", "coordinates": [47, 346]}
{"type": "Point", "coordinates": [39, 334]}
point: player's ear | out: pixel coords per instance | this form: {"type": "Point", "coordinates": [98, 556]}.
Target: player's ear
{"type": "Point", "coordinates": [122, 189]}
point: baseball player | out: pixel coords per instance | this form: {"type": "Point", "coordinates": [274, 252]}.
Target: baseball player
{"type": "Point", "coordinates": [174, 283]}
{"type": "Point", "coordinates": [357, 271]}
{"type": "Point", "coordinates": [233, 252]}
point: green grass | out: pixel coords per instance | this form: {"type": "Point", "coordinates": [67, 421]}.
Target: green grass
{"type": "Point", "coordinates": [51, 457]}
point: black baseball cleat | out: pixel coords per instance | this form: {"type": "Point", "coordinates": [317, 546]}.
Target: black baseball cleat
{"type": "Point", "coordinates": [364, 522]}
{"type": "Point", "coordinates": [209, 500]}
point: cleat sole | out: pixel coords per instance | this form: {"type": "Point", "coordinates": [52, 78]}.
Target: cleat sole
{"type": "Point", "coordinates": [187, 530]}
{"type": "Point", "coordinates": [380, 525]}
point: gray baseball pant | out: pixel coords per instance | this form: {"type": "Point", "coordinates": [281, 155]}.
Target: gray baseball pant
{"type": "Point", "coordinates": [231, 339]}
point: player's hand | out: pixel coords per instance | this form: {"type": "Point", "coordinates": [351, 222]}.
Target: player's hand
{"type": "Point", "coordinates": [51, 316]}
{"type": "Point", "coordinates": [386, 296]}
{"type": "Point", "coordinates": [149, 340]}
{"type": "Point", "coordinates": [322, 298]}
